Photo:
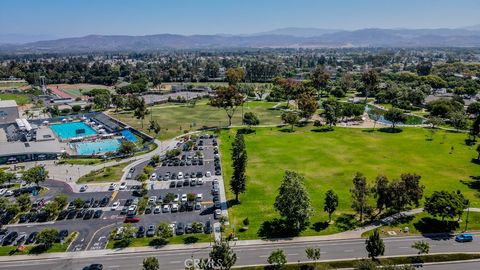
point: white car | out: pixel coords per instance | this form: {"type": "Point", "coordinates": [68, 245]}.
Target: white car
{"type": "Point", "coordinates": [200, 181]}
{"type": "Point", "coordinates": [115, 205]}
{"type": "Point", "coordinates": [174, 207]}
{"type": "Point", "coordinates": [208, 174]}
{"type": "Point", "coordinates": [180, 176]}
{"type": "Point", "coordinates": [123, 186]}
{"type": "Point", "coordinates": [112, 186]}
{"type": "Point", "coordinates": [184, 197]}
{"type": "Point", "coordinates": [157, 209]}
{"type": "Point", "coordinates": [132, 207]}
{"type": "Point", "coordinates": [199, 197]}
{"type": "Point", "coordinates": [152, 200]}
{"type": "Point", "coordinates": [83, 188]}
{"type": "Point", "coordinates": [153, 176]}
{"type": "Point", "coordinates": [8, 193]}
{"type": "Point", "coordinates": [176, 198]}
{"type": "Point", "coordinates": [166, 208]}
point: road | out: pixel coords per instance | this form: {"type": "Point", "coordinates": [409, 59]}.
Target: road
{"type": "Point", "coordinates": [248, 254]}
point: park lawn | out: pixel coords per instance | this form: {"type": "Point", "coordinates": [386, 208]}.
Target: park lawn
{"type": "Point", "coordinates": [19, 98]}
{"type": "Point", "coordinates": [176, 239]}
{"type": "Point", "coordinates": [424, 223]}
{"type": "Point", "coordinates": [176, 119]}
{"type": "Point", "coordinates": [108, 174]}
{"type": "Point", "coordinates": [330, 159]}
{"type": "Point", "coordinates": [12, 84]}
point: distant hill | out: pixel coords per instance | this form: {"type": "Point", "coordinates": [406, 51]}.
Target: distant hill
{"type": "Point", "coordinates": [287, 37]}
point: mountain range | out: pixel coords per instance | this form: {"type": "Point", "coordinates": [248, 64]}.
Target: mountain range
{"type": "Point", "coordinates": [284, 38]}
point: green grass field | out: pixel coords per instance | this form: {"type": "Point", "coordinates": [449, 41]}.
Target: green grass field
{"type": "Point", "coordinates": [107, 174]}
{"type": "Point", "coordinates": [176, 239]}
{"type": "Point", "coordinates": [175, 119]}
{"type": "Point", "coordinates": [12, 84]}
{"type": "Point", "coordinates": [20, 99]}
{"type": "Point", "coordinates": [329, 160]}
{"type": "Point", "coordinates": [74, 92]}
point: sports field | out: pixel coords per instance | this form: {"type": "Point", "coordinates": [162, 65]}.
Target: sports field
{"type": "Point", "coordinates": [21, 99]}
{"type": "Point", "coordinates": [329, 160]}
{"type": "Point", "coordinates": [175, 119]}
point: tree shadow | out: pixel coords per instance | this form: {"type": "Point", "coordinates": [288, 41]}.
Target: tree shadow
{"type": "Point", "coordinates": [475, 161]}
{"type": "Point", "coordinates": [158, 242]}
{"type": "Point", "coordinates": [123, 243]}
{"type": "Point", "coordinates": [275, 228]}
{"type": "Point", "coordinates": [190, 240]}
{"type": "Point", "coordinates": [319, 226]}
{"type": "Point", "coordinates": [346, 222]}
{"type": "Point", "coordinates": [246, 131]}
{"type": "Point", "coordinates": [286, 130]}
{"type": "Point", "coordinates": [232, 202]}
{"type": "Point", "coordinates": [428, 225]}
{"type": "Point", "coordinates": [470, 142]}
{"type": "Point", "coordinates": [38, 249]}
{"type": "Point", "coordinates": [323, 129]}
{"type": "Point", "coordinates": [368, 130]}
{"type": "Point", "coordinates": [390, 130]}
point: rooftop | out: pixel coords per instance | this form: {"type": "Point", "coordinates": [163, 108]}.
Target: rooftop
{"type": "Point", "coordinates": [19, 148]}
{"type": "Point", "coordinates": [8, 103]}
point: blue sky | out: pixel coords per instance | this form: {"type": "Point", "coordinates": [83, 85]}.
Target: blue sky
{"type": "Point", "coordinates": [63, 18]}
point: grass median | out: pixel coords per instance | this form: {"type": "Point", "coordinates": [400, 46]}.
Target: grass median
{"type": "Point", "coordinates": [108, 174]}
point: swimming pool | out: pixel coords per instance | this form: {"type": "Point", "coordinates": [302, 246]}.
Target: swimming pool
{"type": "Point", "coordinates": [128, 135]}
{"type": "Point", "coordinates": [72, 130]}
{"type": "Point", "coordinates": [98, 147]}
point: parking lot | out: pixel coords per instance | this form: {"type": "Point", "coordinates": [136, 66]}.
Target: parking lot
{"type": "Point", "coordinates": [183, 189]}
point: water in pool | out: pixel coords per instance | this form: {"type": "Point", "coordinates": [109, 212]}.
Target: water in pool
{"type": "Point", "coordinates": [98, 147]}
{"type": "Point", "coordinates": [72, 130]}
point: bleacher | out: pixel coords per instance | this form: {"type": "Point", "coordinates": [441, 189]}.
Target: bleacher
{"type": "Point", "coordinates": [107, 122]}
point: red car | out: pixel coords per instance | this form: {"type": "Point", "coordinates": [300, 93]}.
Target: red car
{"type": "Point", "coordinates": [132, 219]}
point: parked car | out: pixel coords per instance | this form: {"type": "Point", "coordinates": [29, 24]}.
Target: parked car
{"type": "Point", "coordinates": [98, 213]}
{"type": "Point", "coordinates": [157, 209]}
{"type": "Point", "coordinates": [8, 240]}
{"type": "Point", "coordinates": [115, 205]}
{"type": "Point", "coordinates": [112, 186]}
{"type": "Point", "coordinates": [166, 208]}
{"type": "Point", "coordinates": [32, 237]}
{"type": "Point", "coordinates": [217, 214]}
{"type": "Point", "coordinates": [124, 210]}
{"type": "Point", "coordinates": [89, 214]}
{"type": "Point", "coordinates": [140, 232]}
{"type": "Point", "coordinates": [208, 227]}
{"type": "Point", "coordinates": [123, 186]}
{"type": "Point", "coordinates": [174, 208]}
{"type": "Point", "coordinates": [95, 266]}
{"type": "Point", "coordinates": [83, 188]}
{"type": "Point", "coordinates": [148, 210]}
{"type": "Point", "coordinates": [151, 230]}
{"type": "Point", "coordinates": [172, 184]}
{"type": "Point", "coordinates": [180, 229]}
{"type": "Point", "coordinates": [464, 237]}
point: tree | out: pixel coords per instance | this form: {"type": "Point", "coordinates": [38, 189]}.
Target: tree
{"type": "Point", "coordinates": [293, 202]}
{"type": "Point", "coordinates": [235, 75]}
{"type": "Point", "coordinates": [127, 148]}
{"type": "Point", "coordinates": [250, 119]}
{"type": "Point", "coordinates": [153, 125]}
{"type": "Point", "coordinates": [374, 245]}
{"type": "Point", "coordinates": [78, 202]}
{"type": "Point", "coordinates": [155, 159]}
{"type": "Point", "coordinates": [151, 263]}
{"type": "Point", "coordinates": [141, 110]}
{"type": "Point", "coordinates": [313, 254]}
{"type": "Point", "coordinates": [370, 81]}
{"type": "Point", "coordinates": [164, 231]}
{"type": "Point", "coordinates": [102, 101]}
{"type": "Point", "coordinates": [331, 203]}
{"type": "Point", "coordinates": [478, 151]}
{"type": "Point", "coordinates": [51, 209]}
{"type": "Point", "coordinates": [6, 177]}
{"type": "Point", "coordinates": [24, 202]}
{"type": "Point", "coordinates": [395, 116]}
{"type": "Point", "coordinates": [332, 111]}
{"type": "Point", "coordinates": [381, 192]}
{"type": "Point", "coordinates": [424, 68]}
{"type": "Point", "coordinates": [360, 193]}
{"type": "Point", "coordinates": [413, 189]}
{"type": "Point", "coordinates": [435, 121]}
{"type": "Point", "coordinates": [445, 204]}
{"type": "Point", "coordinates": [346, 82]}
{"type": "Point", "coordinates": [228, 99]}
{"type": "Point", "coordinates": [277, 259]}
{"type": "Point", "coordinates": [35, 175]}
{"type": "Point", "coordinates": [290, 118]}
{"type": "Point", "coordinates": [118, 102]}
{"type": "Point", "coordinates": [290, 88]}
{"type": "Point", "coordinates": [239, 164]}
{"type": "Point", "coordinates": [307, 104]}
{"type": "Point", "coordinates": [474, 108]}
{"type": "Point", "coordinates": [61, 200]}
{"type": "Point", "coordinates": [422, 246]}
{"type": "Point", "coordinates": [319, 78]}
{"type": "Point", "coordinates": [47, 237]}
{"type": "Point", "coordinates": [458, 120]}
{"type": "Point", "coordinates": [222, 255]}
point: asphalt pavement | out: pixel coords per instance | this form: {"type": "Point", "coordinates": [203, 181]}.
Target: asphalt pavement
{"type": "Point", "coordinates": [247, 254]}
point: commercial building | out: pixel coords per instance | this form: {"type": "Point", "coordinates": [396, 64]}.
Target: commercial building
{"type": "Point", "coordinates": [8, 111]}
